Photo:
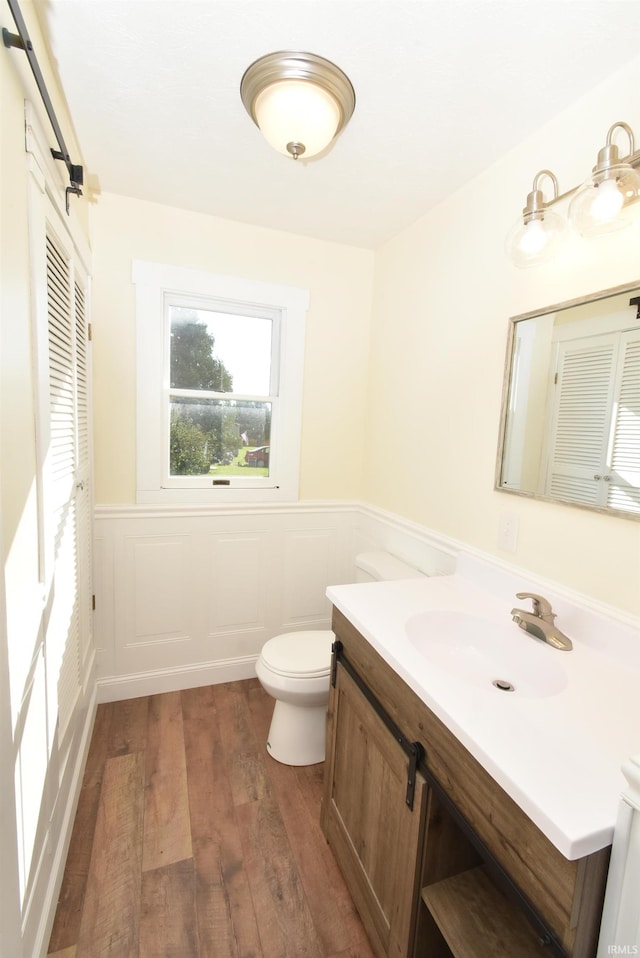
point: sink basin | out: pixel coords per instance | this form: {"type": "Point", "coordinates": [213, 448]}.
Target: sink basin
{"type": "Point", "coordinates": [498, 657]}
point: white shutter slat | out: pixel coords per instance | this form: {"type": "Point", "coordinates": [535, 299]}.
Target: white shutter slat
{"type": "Point", "coordinates": [582, 412]}
{"type": "Point", "coordinates": [82, 411]}
{"type": "Point", "coordinates": [571, 487]}
{"type": "Point", "coordinates": [624, 466]}
{"type": "Point", "coordinates": [83, 497]}
{"type": "Point", "coordinates": [583, 409]}
{"type": "Point", "coordinates": [61, 380]}
{"type": "Point", "coordinates": [62, 639]}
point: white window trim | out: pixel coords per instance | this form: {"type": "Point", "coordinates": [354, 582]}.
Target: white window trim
{"type": "Point", "coordinates": [152, 282]}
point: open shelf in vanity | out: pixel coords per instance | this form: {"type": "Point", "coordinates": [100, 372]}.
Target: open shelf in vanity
{"type": "Point", "coordinates": [462, 911]}
{"type": "Point", "coordinates": [469, 907]}
{"type": "Point", "coordinates": [475, 920]}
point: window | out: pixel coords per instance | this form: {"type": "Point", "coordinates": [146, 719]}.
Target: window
{"type": "Point", "coordinates": [219, 386]}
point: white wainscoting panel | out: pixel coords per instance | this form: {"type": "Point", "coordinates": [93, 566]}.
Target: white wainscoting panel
{"type": "Point", "coordinates": [158, 607]}
{"type": "Point", "coordinates": [187, 597]}
{"type": "Point", "coordinates": [195, 594]}
{"type": "Point", "coordinates": [237, 595]}
{"type": "Point", "coordinates": [308, 561]}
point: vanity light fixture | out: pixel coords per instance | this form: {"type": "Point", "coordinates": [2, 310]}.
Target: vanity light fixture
{"type": "Point", "coordinates": [613, 184]}
{"type": "Point", "coordinates": [299, 101]}
{"type": "Point", "coordinates": [539, 232]}
{"type": "Point", "coordinates": [598, 206]}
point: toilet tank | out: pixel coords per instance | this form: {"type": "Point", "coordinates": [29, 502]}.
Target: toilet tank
{"type": "Point", "coordinates": [382, 566]}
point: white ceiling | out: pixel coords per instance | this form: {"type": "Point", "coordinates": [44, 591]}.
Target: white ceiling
{"type": "Point", "coordinates": [443, 88]}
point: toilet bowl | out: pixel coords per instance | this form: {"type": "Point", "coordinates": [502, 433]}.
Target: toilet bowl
{"type": "Point", "coordinates": [294, 668]}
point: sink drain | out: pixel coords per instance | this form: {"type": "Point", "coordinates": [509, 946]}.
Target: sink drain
{"type": "Point", "coordinates": [503, 685]}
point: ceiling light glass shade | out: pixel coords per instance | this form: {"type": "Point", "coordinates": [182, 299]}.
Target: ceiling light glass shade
{"type": "Point", "coordinates": [296, 111]}
{"type": "Point", "coordinates": [300, 101]}
{"type": "Point", "coordinates": [539, 233]}
{"type": "Point", "coordinates": [601, 203]}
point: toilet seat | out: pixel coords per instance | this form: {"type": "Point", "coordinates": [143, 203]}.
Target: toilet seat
{"type": "Point", "coordinates": [299, 655]}
{"type": "Point", "coordinates": [294, 668]}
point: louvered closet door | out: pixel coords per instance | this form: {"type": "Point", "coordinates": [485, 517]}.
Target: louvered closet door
{"type": "Point", "coordinates": [623, 460]}
{"type": "Point", "coordinates": [69, 624]}
{"type": "Point", "coordinates": [580, 427]}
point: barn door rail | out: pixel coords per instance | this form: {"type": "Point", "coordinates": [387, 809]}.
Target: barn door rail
{"type": "Point", "coordinates": [21, 41]}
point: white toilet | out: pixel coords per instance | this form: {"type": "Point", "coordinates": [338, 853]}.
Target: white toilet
{"type": "Point", "coordinates": [294, 668]}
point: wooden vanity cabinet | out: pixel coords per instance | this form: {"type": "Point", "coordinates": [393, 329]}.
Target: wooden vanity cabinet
{"type": "Point", "coordinates": [374, 834]}
{"type": "Point", "coordinates": [464, 872]}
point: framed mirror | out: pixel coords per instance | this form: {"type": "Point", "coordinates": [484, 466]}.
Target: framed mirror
{"type": "Point", "coordinates": [570, 422]}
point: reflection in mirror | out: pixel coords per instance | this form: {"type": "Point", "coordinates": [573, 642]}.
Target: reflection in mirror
{"type": "Point", "coordinates": [570, 428]}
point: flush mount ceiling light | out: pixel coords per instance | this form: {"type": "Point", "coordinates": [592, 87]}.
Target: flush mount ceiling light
{"type": "Point", "coordinates": [600, 205]}
{"type": "Point", "coordinates": [613, 184]}
{"type": "Point", "coordinates": [299, 101]}
{"type": "Point", "coordinates": [539, 232]}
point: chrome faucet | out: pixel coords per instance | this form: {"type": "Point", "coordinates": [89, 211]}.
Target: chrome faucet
{"type": "Point", "coordinates": [540, 621]}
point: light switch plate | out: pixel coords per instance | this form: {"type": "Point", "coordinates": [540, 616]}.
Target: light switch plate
{"type": "Point", "coordinates": [508, 532]}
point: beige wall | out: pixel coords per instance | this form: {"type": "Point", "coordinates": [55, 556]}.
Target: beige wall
{"type": "Point", "coordinates": [340, 281]}
{"type": "Point", "coordinates": [443, 294]}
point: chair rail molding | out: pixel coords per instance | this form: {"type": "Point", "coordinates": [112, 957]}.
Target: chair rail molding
{"type": "Point", "coordinates": [187, 596]}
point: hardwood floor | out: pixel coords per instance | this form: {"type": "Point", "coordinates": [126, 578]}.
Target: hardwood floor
{"type": "Point", "coordinates": [190, 841]}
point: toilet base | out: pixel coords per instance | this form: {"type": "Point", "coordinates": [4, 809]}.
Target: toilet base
{"type": "Point", "coordinates": [297, 735]}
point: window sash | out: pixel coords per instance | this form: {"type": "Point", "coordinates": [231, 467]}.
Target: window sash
{"type": "Point", "coordinates": [241, 310]}
{"type": "Point", "coordinates": [159, 284]}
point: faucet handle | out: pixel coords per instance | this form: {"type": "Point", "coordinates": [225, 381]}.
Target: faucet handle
{"type": "Point", "coordinates": [541, 606]}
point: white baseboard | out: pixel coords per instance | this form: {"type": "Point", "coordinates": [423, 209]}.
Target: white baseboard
{"type": "Point", "coordinates": [116, 688]}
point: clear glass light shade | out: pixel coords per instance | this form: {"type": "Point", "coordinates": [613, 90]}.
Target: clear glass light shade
{"type": "Point", "coordinates": [600, 205]}
{"type": "Point", "coordinates": [297, 111]}
{"type": "Point", "coordinates": [537, 240]}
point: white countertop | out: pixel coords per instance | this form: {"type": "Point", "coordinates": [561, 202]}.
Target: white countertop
{"type": "Point", "coordinates": [558, 756]}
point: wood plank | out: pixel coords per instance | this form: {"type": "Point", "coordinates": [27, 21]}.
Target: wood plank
{"type": "Point", "coordinates": [246, 893]}
{"type": "Point", "coordinates": [361, 949]}
{"type": "Point", "coordinates": [167, 829]}
{"type": "Point", "coordinates": [99, 745]}
{"type": "Point", "coordinates": [109, 926]}
{"type": "Point", "coordinates": [245, 762]}
{"type": "Point", "coordinates": [66, 925]}
{"type": "Point", "coordinates": [447, 850]}
{"type": "Point", "coordinates": [225, 917]}
{"type": "Point", "coordinates": [128, 731]}
{"type": "Point", "coordinates": [477, 921]}
{"type": "Point", "coordinates": [168, 912]}
{"type": "Point", "coordinates": [284, 921]}
{"type": "Point", "coordinates": [282, 914]}
{"type": "Point", "coordinates": [298, 792]}
{"type": "Point", "coordinates": [592, 880]}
